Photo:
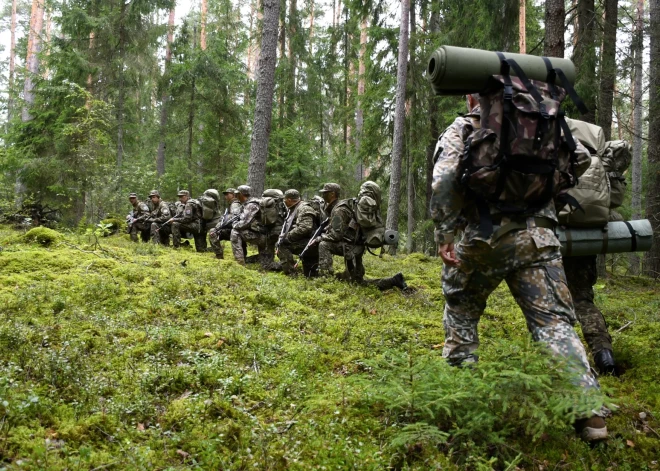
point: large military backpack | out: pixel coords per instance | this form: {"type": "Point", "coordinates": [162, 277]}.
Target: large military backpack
{"type": "Point", "coordinates": [174, 209]}
{"type": "Point", "coordinates": [367, 214]}
{"type": "Point", "coordinates": [319, 206]}
{"type": "Point", "coordinates": [602, 186]}
{"type": "Point", "coordinates": [209, 204]}
{"type": "Point", "coordinates": [272, 208]}
{"type": "Point", "coordinates": [523, 154]}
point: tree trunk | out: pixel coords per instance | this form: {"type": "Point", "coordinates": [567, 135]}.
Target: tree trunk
{"type": "Point", "coordinates": [32, 59]}
{"type": "Point", "coordinates": [399, 124]}
{"type": "Point", "coordinates": [160, 158]}
{"type": "Point", "coordinates": [434, 132]}
{"type": "Point", "coordinates": [12, 61]}
{"type": "Point", "coordinates": [608, 68]}
{"type": "Point", "coordinates": [191, 120]}
{"type": "Point", "coordinates": [291, 56]}
{"type": "Point", "coordinates": [555, 15]}
{"type": "Point", "coordinates": [584, 57]}
{"type": "Point", "coordinates": [202, 37]}
{"type": "Point", "coordinates": [281, 89]}
{"type": "Point", "coordinates": [412, 134]}
{"type": "Point", "coordinates": [359, 113]}
{"type": "Point", "coordinates": [652, 258]}
{"type": "Point", "coordinates": [121, 90]}
{"type": "Point", "coordinates": [638, 126]}
{"type": "Point", "coordinates": [264, 102]}
{"type": "Point", "coordinates": [522, 29]}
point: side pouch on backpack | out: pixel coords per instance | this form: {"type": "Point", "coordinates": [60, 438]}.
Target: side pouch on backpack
{"type": "Point", "coordinates": [616, 160]}
{"type": "Point", "coordinates": [374, 238]}
{"type": "Point", "coordinates": [593, 194]}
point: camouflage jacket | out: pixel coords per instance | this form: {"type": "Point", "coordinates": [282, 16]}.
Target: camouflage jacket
{"type": "Point", "coordinates": [249, 216]}
{"type": "Point", "coordinates": [161, 213]}
{"type": "Point", "coordinates": [450, 209]}
{"type": "Point", "coordinates": [342, 227]}
{"type": "Point", "coordinates": [140, 211]}
{"type": "Point", "coordinates": [188, 212]}
{"type": "Point", "coordinates": [305, 221]}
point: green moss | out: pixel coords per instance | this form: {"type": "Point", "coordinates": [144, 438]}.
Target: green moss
{"type": "Point", "coordinates": [43, 236]}
{"type": "Point", "coordinates": [133, 356]}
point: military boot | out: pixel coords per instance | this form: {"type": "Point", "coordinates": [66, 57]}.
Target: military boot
{"type": "Point", "coordinates": [399, 281]}
{"type": "Point", "coordinates": [591, 430]}
{"type": "Point", "coordinates": [604, 361]}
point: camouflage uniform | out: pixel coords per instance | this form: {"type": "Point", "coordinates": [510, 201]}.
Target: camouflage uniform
{"type": "Point", "coordinates": [140, 214]}
{"type": "Point", "coordinates": [159, 215]}
{"type": "Point", "coordinates": [248, 230]}
{"type": "Point", "coordinates": [524, 253]}
{"type": "Point", "coordinates": [302, 220]}
{"type": "Point", "coordinates": [340, 238]}
{"type": "Point", "coordinates": [218, 234]}
{"type": "Point", "coordinates": [582, 274]}
{"type": "Point", "coordinates": [188, 220]}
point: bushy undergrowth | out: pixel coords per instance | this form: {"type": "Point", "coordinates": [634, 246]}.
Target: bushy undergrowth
{"type": "Point", "coordinates": [126, 356]}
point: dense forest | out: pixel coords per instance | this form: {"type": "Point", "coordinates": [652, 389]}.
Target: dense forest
{"type": "Point", "coordinates": [102, 98]}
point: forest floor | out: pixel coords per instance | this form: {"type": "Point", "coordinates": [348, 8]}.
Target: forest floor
{"type": "Point", "coordinates": [122, 356]}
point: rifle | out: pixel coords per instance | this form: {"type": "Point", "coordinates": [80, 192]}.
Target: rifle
{"type": "Point", "coordinates": [317, 233]}
{"type": "Point", "coordinates": [129, 221]}
{"type": "Point", "coordinates": [286, 227]}
{"type": "Point", "coordinates": [164, 224]}
{"type": "Point", "coordinates": [229, 223]}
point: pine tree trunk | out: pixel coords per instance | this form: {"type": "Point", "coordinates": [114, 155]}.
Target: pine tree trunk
{"type": "Point", "coordinates": [359, 113]}
{"type": "Point", "coordinates": [652, 258]}
{"type": "Point", "coordinates": [399, 124]}
{"type": "Point", "coordinates": [121, 92]}
{"type": "Point", "coordinates": [638, 126]}
{"type": "Point", "coordinates": [12, 61]}
{"type": "Point", "coordinates": [291, 56]}
{"type": "Point", "coordinates": [160, 157]}
{"type": "Point", "coordinates": [434, 132]}
{"type": "Point", "coordinates": [522, 27]}
{"type": "Point", "coordinates": [555, 16]}
{"type": "Point", "coordinates": [410, 171]}
{"type": "Point", "coordinates": [608, 68]}
{"type": "Point", "coordinates": [264, 102]}
{"type": "Point", "coordinates": [202, 37]}
{"type": "Point", "coordinates": [584, 57]}
{"type": "Point", "coordinates": [32, 59]}
{"type": "Point", "coordinates": [282, 86]}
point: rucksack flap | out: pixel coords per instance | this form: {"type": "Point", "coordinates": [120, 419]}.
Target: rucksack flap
{"type": "Point", "coordinates": [593, 194]}
{"type": "Point", "coordinates": [208, 206]}
{"type": "Point", "coordinates": [374, 238]}
{"type": "Point", "coordinates": [273, 211]}
{"type": "Point", "coordinates": [616, 160]}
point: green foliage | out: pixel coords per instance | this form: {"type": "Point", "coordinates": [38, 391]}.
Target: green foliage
{"type": "Point", "coordinates": [43, 236]}
{"type": "Point", "coordinates": [119, 356]}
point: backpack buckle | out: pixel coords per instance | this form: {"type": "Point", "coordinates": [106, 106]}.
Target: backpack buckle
{"type": "Point", "coordinates": [508, 92]}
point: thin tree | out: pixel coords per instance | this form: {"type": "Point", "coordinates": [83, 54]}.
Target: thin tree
{"type": "Point", "coordinates": [359, 112]}
{"type": "Point", "coordinates": [555, 16]}
{"type": "Point", "coordinates": [585, 57]}
{"type": "Point", "coordinates": [434, 131]}
{"type": "Point", "coordinates": [652, 258]}
{"type": "Point", "coordinates": [12, 60]}
{"type": "Point", "coordinates": [394, 200]}
{"type": "Point", "coordinates": [410, 167]}
{"type": "Point", "coordinates": [636, 203]}
{"type": "Point", "coordinates": [202, 38]}
{"type": "Point", "coordinates": [264, 101]}
{"type": "Point", "coordinates": [522, 30]}
{"type": "Point", "coordinates": [608, 68]}
{"type": "Point", "coordinates": [121, 92]}
{"type": "Point", "coordinates": [160, 157]}
{"type": "Point", "coordinates": [32, 59]}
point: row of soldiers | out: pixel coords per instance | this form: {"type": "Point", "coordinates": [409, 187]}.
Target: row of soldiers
{"type": "Point", "coordinates": [278, 224]}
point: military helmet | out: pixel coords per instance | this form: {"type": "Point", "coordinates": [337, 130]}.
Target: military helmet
{"type": "Point", "coordinates": [183, 193]}
{"type": "Point", "coordinates": [292, 194]}
{"type": "Point", "coordinates": [154, 193]}
{"type": "Point", "coordinates": [244, 190]}
{"type": "Point", "coordinates": [272, 193]}
{"type": "Point", "coordinates": [213, 194]}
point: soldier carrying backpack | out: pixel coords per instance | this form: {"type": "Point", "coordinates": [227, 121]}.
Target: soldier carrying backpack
{"type": "Point", "coordinates": [497, 173]}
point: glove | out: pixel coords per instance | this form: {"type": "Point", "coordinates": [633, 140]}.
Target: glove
{"type": "Point", "coordinates": [285, 241]}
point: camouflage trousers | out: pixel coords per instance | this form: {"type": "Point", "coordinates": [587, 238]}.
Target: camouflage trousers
{"type": "Point", "coordinates": [239, 239]}
{"type": "Point", "coordinates": [352, 258]}
{"type": "Point", "coordinates": [195, 229]}
{"type": "Point", "coordinates": [310, 262]}
{"type": "Point", "coordinates": [530, 262]}
{"type": "Point", "coordinates": [141, 228]}
{"type": "Point", "coordinates": [160, 234]}
{"type": "Point", "coordinates": [582, 274]}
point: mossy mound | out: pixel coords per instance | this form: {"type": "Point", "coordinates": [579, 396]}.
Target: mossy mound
{"type": "Point", "coordinates": [42, 236]}
{"type": "Point", "coordinates": [115, 224]}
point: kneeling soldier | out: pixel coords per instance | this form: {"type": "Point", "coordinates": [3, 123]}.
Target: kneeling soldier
{"type": "Point", "coordinates": [160, 231]}
{"type": "Point", "coordinates": [188, 219]}
{"type": "Point", "coordinates": [248, 228]}
{"type": "Point", "coordinates": [137, 224]}
{"type": "Point", "coordinates": [301, 222]}
{"type": "Point", "coordinates": [222, 230]}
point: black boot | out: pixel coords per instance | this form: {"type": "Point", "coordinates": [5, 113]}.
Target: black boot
{"type": "Point", "coordinates": [605, 362]}
{"type": "Point", "coordinates": [399, 281]}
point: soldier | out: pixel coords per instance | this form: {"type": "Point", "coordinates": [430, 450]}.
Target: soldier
{"type": "Point", "coordinates": [222, 230]}
{"type": "Point", "coordinates": [342, 238]}
{"type": "Point", "coordinates": [187, 220]}
{"type": "Point", "coordinates": [248, 229]}
{"type": "Point", "coordinates": [525, 253]}
{"type": "Point", "coordinates": [137, 219]}
{"type": "Point", "coordinates": [301, 222]}
{"type": "Point", "coordinates": [160, 231]}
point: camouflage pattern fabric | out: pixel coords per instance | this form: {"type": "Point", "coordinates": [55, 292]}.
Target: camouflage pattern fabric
{"type": "Point", "coordinates": [305, 221]}
{"type": "Point", "coordinates": [188, 220]}
{"type": "Point", "coordinates": [582, 274]}
{"type": "Point", "coordinates": [340, 239]}
{"type": "Point", "coordinates": [239, 239]}
{"type": "Point", "coordinates": [217, 235]}
{"type": "Point", "coordinates": [310, 262]}
{"type": "Point", "coordinates": [141, 228]}
{"type": "Point", "coordinates": [159, 215]}
{"type": "Point", "coordinates": [530, 263]}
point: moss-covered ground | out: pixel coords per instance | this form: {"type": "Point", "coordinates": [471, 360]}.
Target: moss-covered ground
{"type": "Point", "coordinates": [127, 356]}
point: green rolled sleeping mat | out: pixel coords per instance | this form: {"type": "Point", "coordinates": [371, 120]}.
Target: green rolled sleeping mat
{"type": "Point", "coordinates": [616, 237]}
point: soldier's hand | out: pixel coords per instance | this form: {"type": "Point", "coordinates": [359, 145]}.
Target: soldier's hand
{"type": "Point", "coordinates": [448, 254]}
{"type": "Point", "coordinates": [285, 241]}
{"type": "Point", "coordinates": [315, 242]}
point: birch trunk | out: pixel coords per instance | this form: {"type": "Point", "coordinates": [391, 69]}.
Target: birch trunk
{"type": "Point", "coordinates": [264, 102]}
{"type": "Point", "coordinates": [399, 124]}
{"type": "Point", "coordinates": [160, 157]}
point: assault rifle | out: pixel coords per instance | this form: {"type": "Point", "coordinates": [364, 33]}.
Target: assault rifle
{"type": "Point", "coordinates": [309, 245]}
{"type": "Point", "coordinates": [164, 224]}
{"type": "Point", "coordinates": [286, 227]}
{"type": "Point", "coordinates": [229, 223]}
